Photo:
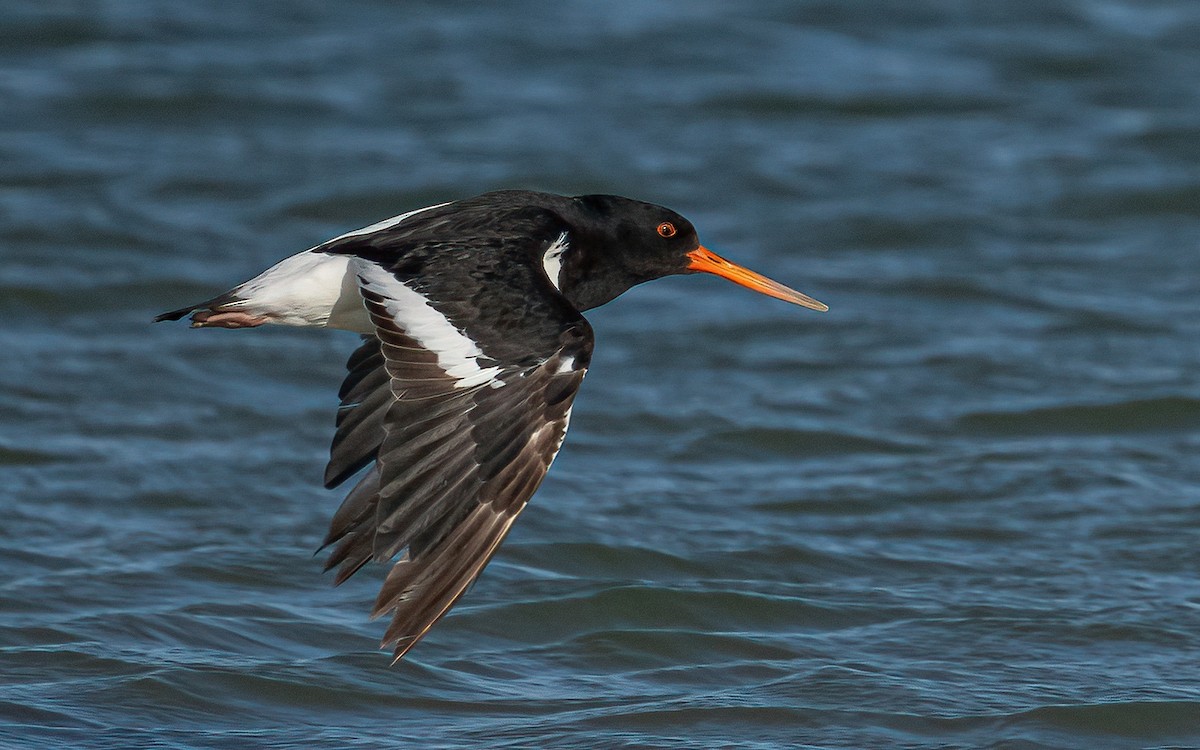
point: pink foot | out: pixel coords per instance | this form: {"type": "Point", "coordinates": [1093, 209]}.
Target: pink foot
{"type": "Point", "coordinates": [211, 319]}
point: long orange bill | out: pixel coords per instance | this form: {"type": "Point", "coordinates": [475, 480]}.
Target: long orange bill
{"type": "Point", "coordinates": [706, 260]}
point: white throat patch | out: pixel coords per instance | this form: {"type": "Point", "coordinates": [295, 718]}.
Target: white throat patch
{"type": "Point", "coordinates": [552, 259]}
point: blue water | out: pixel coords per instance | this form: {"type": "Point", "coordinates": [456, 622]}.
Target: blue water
{"type": "Point", "coordinates": [961, 509]}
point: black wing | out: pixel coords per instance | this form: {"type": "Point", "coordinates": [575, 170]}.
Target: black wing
{"type": "Point", "coordinates": [462, 422]}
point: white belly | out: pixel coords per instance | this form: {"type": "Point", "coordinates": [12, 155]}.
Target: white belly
{"type": "Point", "coordinates": [307, 289]}
{"type": "Point", "coordinates": [313, 288]}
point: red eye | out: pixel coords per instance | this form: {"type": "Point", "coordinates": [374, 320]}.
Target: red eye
{"type": "Point", "coordinates": [666, 229]}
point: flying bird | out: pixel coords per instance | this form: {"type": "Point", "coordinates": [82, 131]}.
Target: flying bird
{"type": "Point", "coordinates": [473, 347]}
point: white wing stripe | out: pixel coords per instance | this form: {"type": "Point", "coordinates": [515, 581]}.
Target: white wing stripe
{"type": "Point", "coordinates": [379, 226]}
{"type": "Point", "coordinates": [456, 353]}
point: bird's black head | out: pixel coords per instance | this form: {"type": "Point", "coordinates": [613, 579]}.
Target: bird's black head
{"type": "Point", "coordinates": [617, 243]}
{"type": "Point", "coordinates": [635, 240]}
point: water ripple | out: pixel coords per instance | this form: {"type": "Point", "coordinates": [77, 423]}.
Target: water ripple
{"type": "Point", "coordinates": [958, 510]}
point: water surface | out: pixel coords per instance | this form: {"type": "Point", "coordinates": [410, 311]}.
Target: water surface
{"type": "Point", "coordinates": [958, 510]}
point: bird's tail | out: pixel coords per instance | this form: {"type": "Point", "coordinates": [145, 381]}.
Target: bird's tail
{"type": "Point", "coordinates": [221, 311]}
{"type": "Point", "coordinates": [210, 305]}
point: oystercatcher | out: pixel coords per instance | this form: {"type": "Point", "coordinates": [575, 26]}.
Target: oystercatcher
{"type": "Point", "coordinates": [473, 348]}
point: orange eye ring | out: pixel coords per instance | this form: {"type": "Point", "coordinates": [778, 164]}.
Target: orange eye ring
{"type": "Point", "coordinates": [666, 229]}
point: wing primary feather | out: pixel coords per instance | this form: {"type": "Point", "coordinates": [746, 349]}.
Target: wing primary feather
{"type": "Point", "coordinates": [459, 445]}
{"type": "Point", "coordinates": [357, 506]}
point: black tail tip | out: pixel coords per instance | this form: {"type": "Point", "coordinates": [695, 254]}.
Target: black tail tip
{"type": "Point", "coordinates": [174, 314]}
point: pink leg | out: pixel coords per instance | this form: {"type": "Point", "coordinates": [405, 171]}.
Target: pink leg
{"type": "Point", "coordinates": [211, 319]}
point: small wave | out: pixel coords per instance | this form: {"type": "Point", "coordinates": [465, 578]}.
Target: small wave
{"type": "Point", "coordinates": [1164, 720]}
{"type": "Point", "coordinates": [756, 441]}
{"type": "Point", "coordinates": [640, 607]}
{"type": "Point", "coordinates": [1164, 414]}
{"type": "Point", "coordinates": [25, 457]}
{"type": "Point", "coordinates": [1177, 200]}
{"type": "Point", "coordinates": [860, 105]}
